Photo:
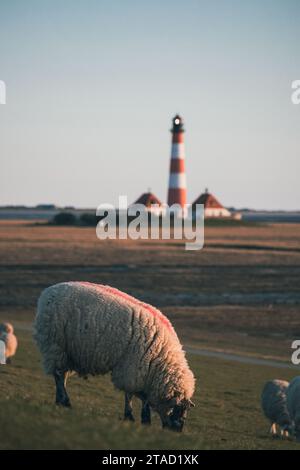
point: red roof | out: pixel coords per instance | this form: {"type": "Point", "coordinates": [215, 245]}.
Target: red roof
{"type": "Point", "coordinates": [209, 201]}
{"type": "Point", "coordinates": [148, 199]}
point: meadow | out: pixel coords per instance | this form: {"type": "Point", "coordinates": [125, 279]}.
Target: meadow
{"type": "Point", "coordinates": [240, 294]}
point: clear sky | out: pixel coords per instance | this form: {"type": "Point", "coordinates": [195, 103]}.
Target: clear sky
{"type": "Point", "coordinates": [92, 86]}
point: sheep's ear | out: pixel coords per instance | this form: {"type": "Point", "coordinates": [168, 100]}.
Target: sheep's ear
{"type": "Point", "coordinates": [185, 403]}
{"type": "Point", "coordinates": [189, 404]}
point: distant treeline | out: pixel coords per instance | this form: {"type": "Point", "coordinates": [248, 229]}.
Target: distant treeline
{"type": "Point", "coordinates": [87, 219]}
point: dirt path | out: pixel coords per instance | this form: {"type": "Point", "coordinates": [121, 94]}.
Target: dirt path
{"type": "Point", "coordinates": [240, 358]}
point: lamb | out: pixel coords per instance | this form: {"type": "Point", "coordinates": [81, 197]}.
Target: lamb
{"type": "Point", "coordinates": [274, 405]}
{"type": "Point", "coordinates": [293, 403]}
{"type": "Point", "coordinates": [9, 339]}
{"type": "Point", "coordinates": [96, 329]}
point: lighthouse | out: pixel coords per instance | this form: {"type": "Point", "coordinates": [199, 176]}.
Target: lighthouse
{"type": "Point", "coordinates": [177, 178]}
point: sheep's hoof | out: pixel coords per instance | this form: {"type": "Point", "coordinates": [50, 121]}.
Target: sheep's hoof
{"type": "Point", "coordinates": [146, 417]}
{"type": "Point", "coordinates": [65, 404]}
{"type": "Point", "coordinates": [128, 417]}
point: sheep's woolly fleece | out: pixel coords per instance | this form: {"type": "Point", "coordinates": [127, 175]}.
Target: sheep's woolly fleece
{"type": "Point", "coordinates": [274, 402]}
{"type": "Point", "coordinates": [94, 329]}
{"type": "Point", "coordinates": [293, 402]}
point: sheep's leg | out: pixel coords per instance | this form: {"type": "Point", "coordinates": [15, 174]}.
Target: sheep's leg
{"type": "Point", "coordinates": [284, 434]}
{"type": "Point", "coordinates": [146, 410]}
{"type": "Point", "coordinates": [273, 430]}
{"type": "Point", "coordinates": [146, 413]}
{"type": "Point", "coordinates": [61, 392]}
{"type": "Point", "coordinates": [128, 411]}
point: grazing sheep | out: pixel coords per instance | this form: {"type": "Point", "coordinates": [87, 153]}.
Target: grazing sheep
{"type": "Point", "coordinates": [274, 405]}
{"type": "Point", "coordinates": [9, 339]}
{"type": "Point", "coordinates": [95, 329]}
{"type": "Point", "coordinates": [293, 403]}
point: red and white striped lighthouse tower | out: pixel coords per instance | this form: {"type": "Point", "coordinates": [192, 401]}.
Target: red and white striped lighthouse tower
{"type": "Point", "coordinates": [177, 179]}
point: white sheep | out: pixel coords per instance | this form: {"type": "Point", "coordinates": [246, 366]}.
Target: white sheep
{"type": "Point", "coordinates": [274, 405]}
{"type": "Point", "coordinates": [9, 339]}
{"type": "Point", "coordinates": [293, 403]}
{"type": "Point", "coordinates": [95, 329]}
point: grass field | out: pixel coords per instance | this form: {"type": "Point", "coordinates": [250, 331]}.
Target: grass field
{"type": "Point", "coordinates": [240, 294]}
{"type": "Point", "coordinates": [227, 415]}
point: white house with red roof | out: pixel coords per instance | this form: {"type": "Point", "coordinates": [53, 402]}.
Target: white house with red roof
{"type": "Point", "coordinates": [212, 207]}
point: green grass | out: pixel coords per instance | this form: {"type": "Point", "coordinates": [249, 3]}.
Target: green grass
{"type": "Point", "coordinates": [227, 413]}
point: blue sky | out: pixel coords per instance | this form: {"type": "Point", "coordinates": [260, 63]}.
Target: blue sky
{"type": "Point", "coordinates": [92, 87]}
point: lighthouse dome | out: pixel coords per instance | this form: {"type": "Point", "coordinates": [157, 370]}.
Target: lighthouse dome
{"type": "Point", "coordinates": [177, 124]}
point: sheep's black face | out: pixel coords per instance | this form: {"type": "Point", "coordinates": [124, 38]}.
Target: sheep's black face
{"type": "Point", "coordinates": [174, 418]}
{"type": "Point", "coordinates": [177, 418]}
